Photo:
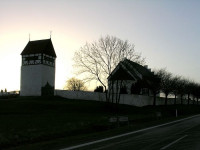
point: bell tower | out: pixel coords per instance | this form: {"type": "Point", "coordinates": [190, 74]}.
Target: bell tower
{"type": "Point", "coordinates": [38, 68]}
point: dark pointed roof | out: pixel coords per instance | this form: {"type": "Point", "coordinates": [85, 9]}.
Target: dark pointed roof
{"type": "Point", "coordinates": [134, 67]}
{"type": "Point", "coordinates": [129, 70]}
{"type": "Point", "coordinates": [40, 46]}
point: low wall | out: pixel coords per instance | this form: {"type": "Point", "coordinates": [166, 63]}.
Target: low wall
{"type": "Point", "coordinates": [141, 100]}
{"type": "Point", "coordinates": [128, 99]}
{"type": "Point", "coordinates": [83, 95]}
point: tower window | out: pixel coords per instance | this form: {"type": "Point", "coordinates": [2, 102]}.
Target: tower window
{"type": "Point", "coordinates": [48, 59]}
{"type": "Point", "coordinates": [32, 58]}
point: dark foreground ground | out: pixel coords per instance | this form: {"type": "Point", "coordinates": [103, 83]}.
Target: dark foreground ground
{"type": "Point", "coordinates": [183, 135]}
{"type": "Point", "coordinates": [52, 122]}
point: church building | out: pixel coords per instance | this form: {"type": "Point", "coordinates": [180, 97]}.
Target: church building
{"type": "Point", "coordinates": [132, 78]}
{"type": "Point", "coordinates": [38, 69]}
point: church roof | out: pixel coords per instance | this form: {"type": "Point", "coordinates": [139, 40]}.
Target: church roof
{"type": "Point", "coordinates": [40, 46]}
{"type": "Point", "coordinates": [134, 67]}
{"type": "Point", "coordinates": [129, 70]}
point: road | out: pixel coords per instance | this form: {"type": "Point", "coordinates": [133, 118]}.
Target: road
{"type": "Point", "coordinates": [182, 135]}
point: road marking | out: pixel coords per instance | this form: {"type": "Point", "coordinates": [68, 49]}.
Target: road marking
{"type": "Point", "coordinates": [125, 134]}
{"type": "Point", "coordinates": [186, 129]}
{"type": "Point", "coordinates": [173, 142]}
{"type": "Point", "coordinates": [178, 133]}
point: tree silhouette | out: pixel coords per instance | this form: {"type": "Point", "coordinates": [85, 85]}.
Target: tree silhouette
{"type": "Point", "coordinates": [166, 82]}
{"type": "Point", "coordinates": [176, 82]}
{"type": "Point", "coordinates": [181, 88]}
{"type": "Point", "coordinates": [74, 84]}
{"type": "Point", "coordinates": [98, 59]}
{"type": "Point", "coordinates": [99, 89]}
{"type": "Point", "coordinates": [188, 89]}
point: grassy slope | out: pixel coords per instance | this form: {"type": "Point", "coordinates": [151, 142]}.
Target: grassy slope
{"type": "Point", "coordinates": [36, 119]}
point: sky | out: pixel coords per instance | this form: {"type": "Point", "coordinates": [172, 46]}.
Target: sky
{"type": "Point", "coordinates": [166, 32]}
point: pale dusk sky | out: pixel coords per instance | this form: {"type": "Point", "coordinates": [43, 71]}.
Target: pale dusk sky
{"type": "Point", "coordinates": [166, 32]}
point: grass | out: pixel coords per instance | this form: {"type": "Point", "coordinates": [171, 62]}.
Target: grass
{"type": "Point", "coordinates": [52, 122]}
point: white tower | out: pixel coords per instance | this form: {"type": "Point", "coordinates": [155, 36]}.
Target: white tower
{"type": "Point", "coordinates": [38, 68]}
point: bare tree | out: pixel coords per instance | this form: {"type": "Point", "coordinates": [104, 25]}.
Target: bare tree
{"type": "Point", "coordinates": [74, 84]}
{"type": "Point", "coordinates": [155, 87]}
{"type": "Point", "coordinates": [188, 89]}
{"type": "Point", "coordinates": [166, 83]}
{"type": "Point", "coordinates": [98, 59]}
{"type": "Point", "coordinates": [181, 88]}
{"type": "Point", "coordinates": [176, 82]}
{"type": "Point", "coordinates": [197, 93]}
{"type": "Point", "coordinates": [99, 89]}
{"type": "Point", "coordinates": [194, 92]}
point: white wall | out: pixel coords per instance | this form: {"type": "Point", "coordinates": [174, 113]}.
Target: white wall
{"type": "Point", "coordinates": [31, 80]}
{"type": "Point", "coordinates": [33, 77]}
{"type": "Point", "coordinates": [129, 99]}
{"type": "Point", "coordinates": [83, 95]}
{"type": "Point", "coordinates": [48, 75]}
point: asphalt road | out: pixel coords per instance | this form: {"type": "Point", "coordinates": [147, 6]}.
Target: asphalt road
{"type": "Point", "coordinates": [183, 135]}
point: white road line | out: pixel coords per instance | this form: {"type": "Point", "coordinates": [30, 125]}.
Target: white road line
{"type": "Point", "coordinates": [177, 133]}
{"type": "Point", "coordinates": [129, 133]}
{"type": "Point", "coordinates": [173, 142]}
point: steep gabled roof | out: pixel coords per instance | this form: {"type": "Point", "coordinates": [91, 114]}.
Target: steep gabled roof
{"type": "Point", "coordinates": [120, 73]}
{"type": "Point", "coordinates": [39, 46]}
{"type": "Point", "coordinates": [137, 68]}
{"type": "Point", "coordinates": [133, 70]}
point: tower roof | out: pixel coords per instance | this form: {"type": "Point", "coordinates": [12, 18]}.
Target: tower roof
{"type": "Point", "coordinates": [40, 46]}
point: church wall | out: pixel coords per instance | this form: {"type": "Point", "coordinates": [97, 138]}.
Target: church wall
{"type": "Point", "coordinates": [125, 83]}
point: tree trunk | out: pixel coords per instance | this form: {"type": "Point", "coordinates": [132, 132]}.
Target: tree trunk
{"type": "Point", "coordinates": [166, 99]}
{"type": "Point", "coordinates": [112, 89]}
{"type": "Point", "coordinates": [117, 92]}
{"type": "Point", "coordinates": [154, 99]}
{"type": "Point", "coordinates": [175, 99]}
{"type": "Point", "coordinates": [193, 100]}
{"type": "Point", "coordinates": [188, 98]}
{"type": "Point", "coordinates": [107, 95]}
{"type": "Point", "coordinates": [181, 99]}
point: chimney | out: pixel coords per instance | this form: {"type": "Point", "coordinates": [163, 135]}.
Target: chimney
{"type": "Point", "coordinates": [146, 66]}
